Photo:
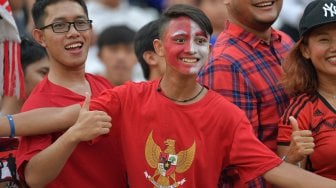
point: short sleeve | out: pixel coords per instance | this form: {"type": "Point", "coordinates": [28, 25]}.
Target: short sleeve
{"type": "Point", "coordinates": [251, 157]}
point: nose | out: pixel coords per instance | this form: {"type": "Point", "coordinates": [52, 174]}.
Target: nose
{"type": "Point", "coordinates": [333, 45]}
{"type": "Point", "coordinates": [72, 30]}
{"type": "Point", "coordinates": [191, 49]}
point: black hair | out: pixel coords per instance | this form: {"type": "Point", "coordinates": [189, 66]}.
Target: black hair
{"type": "Point", "coordinates": [143, 41]}
{"type": "Point", "coordinates": [118, 34]}
{"type": "Point", "coordinates": [31, 52]}
{"type": "Point", "coordinates": [192, 12]}
{"type": "Point", "coordinates": [39, 14]}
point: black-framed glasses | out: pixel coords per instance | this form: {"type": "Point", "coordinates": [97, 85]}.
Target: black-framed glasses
{"type": "Point", "coordinates": [62, 27]}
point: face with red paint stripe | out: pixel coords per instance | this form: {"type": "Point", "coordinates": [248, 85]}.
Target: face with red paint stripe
{"type": "Point", "coordinates": [185, 45]}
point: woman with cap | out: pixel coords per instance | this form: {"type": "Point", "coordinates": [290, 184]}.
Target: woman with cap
{"type": "Point", "coordinates": [307, 130]}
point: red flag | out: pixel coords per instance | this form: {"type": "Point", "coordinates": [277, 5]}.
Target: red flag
{"type": "Point", "coordinates": [5, 4]}
{"type": "Point", "coordinates": [11, 74]}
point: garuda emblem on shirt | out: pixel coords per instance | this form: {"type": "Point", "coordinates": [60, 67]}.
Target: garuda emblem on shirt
{"type": "Point", "coordinates": [167, 163]}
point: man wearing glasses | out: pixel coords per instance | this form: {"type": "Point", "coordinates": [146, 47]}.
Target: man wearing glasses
{"type": "Point", "coordinates": [64, 29]}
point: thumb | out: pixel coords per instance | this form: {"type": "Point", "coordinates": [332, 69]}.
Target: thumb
{"type": "Point", "coordinates": [86, 104]}
{"type": "Point", "coordinates": [294, 123]}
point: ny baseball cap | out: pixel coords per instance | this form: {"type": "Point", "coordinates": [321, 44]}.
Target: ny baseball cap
{"type": "Point", "coordinates": [317, 13]}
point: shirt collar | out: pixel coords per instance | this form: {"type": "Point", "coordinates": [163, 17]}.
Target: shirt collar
{"type": "Point", "coordinates": [248, 37]}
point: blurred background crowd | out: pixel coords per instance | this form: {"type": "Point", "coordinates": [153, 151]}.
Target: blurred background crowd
{"type": "Point", "coordinates": [123, 18]}
{"type": "Point", "coordinates": [131, 15]}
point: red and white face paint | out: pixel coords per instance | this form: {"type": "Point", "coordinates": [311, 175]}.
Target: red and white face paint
{"type": "Point", "coordinates": [186, 45]}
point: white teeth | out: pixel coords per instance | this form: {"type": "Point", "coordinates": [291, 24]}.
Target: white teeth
{"type": "Point", "coordinates": [333, 59]}
{"type": "Point", "coordinates": [264, 4]}
{"type": "Point", "coordinates": [77, 45]}
{"type": "Point", "coordinates": [189, 60]}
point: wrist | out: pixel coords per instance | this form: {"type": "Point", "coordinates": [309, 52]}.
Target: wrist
{"type": "Point", "coordinates": [11, 126]}
{"type": "Point", "coordinates": [285, 159]}
{"type": "Point", "coordinates": [71, 137]}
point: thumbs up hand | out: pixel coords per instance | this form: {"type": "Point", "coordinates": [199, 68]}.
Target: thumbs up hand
{"type": "Point", "coordinates": [90, 124]}
{"type": "Point", "coordinates": [302, 143]}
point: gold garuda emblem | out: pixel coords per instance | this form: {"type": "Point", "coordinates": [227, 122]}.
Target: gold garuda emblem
{"type": "Point", "coordinates": [167, 163]}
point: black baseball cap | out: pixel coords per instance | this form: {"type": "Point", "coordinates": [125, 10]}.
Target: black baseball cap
{"type": "Point", "coordinates": [317, 13]}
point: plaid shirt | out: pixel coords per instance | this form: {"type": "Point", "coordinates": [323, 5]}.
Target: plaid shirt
{"type": "Point", "coordinates": [245, 69]}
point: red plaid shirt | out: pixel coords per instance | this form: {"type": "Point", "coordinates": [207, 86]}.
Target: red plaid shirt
{"type": "Point", "coordinates": [245, 69]}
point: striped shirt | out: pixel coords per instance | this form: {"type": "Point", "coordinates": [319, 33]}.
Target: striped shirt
{"type": "Point", "coordinates": [315, 113]}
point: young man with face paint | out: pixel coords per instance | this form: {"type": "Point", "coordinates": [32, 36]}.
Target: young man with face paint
{"type": "Point", "coordinates": [169, 141]}
{"type": "Point", "coordinates": [185, 45]}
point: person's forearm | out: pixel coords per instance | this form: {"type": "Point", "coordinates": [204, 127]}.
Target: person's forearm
{"type": "Point", "coordinates": [10, 105]}
{"type": "Point", "coordinates": [44, 167]}
{"type": "Point", "coordinates": [290, 176]}
{"type": "Point", "coordinates": [41, 121]}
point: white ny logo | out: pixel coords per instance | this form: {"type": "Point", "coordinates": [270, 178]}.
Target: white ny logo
{"type": "Point", "coordinates": [331, 9]}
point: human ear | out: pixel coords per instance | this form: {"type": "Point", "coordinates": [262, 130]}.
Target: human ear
{"type": "Point", "coordinates": [148, 56]}
{"type": "Point", "coordinates": [158, 46]}
{"type": "Point", "coordinates": [304, 51]}
{"type": "Point", "coordinates": [39, 37]}
{"type": "Point", "coordinates": [210, 49]}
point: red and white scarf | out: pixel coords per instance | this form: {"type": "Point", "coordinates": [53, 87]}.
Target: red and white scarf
{"type": "Point", "coordinates": [11, 74]}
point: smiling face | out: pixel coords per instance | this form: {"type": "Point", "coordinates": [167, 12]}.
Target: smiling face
{"type": "Point", "coordinates": [255, 14]}
{"type": "Point", "coordinates": [67, 49]}
{"type": "Point", "coordinates": [185, 45]}
{"type": "Point", "coordinates": [321, 49]}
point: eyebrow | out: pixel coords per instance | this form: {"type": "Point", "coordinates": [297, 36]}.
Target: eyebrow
{"type": "Point", "coordinates": [318, 33]}
{"type": "Point", "coordinates": [179, 32]}
{"type": "Point", "coordinates": [64, 19]}
{"type": "Point", "coordinates": [202, 33]}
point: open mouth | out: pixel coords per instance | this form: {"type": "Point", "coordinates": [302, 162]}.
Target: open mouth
{"type": "Point", "coordinates": [78, 45]}
{"type": "Point", "coordinates": [190, 60]}
{"type": "Point", "coordinates": [332, 60]}
{"type": "Point", "coordinates": [264, 4]}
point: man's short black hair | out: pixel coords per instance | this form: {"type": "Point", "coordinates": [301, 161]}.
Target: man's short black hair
{"type": "Point", "coordinates": [31, 51]}
{"type": "Point", "coordinates": [179, 10]}
{"type": "Point", "coordinates": [113, 35]}
{"type": "Point", "coordinates": [143, 41]}
{"type": "Point", "coordinates": [39, 14]}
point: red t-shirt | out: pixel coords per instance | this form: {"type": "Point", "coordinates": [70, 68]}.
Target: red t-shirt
{"type": "Point", "coordinates": [89, 165]}
{"type": "Point", "coordinates": [182, 144]}
{"type": "Point", "coordinates": [313, 113]}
